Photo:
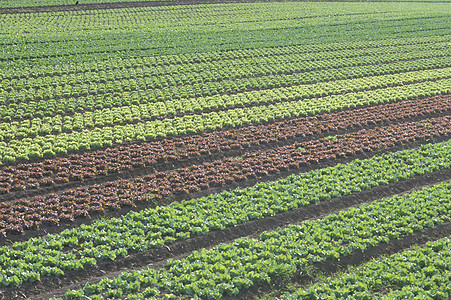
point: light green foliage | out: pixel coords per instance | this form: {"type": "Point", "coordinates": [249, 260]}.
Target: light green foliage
{"type": "Point", "coordinates": [230, 268]}
{"type": "Point", "coordinates": [33, 3]}
{"type": "Point", "coordinates": [103, 79]}
{"type": "Point", "coordinates": [105, 136]}
{"type": "Point", "coordinates": [423, 273]}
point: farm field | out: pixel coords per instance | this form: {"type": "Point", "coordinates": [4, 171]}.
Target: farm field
{"type": "Point", "coordinates": [225, 150]}
{"type": "Point", "coordinates": [95, 4]}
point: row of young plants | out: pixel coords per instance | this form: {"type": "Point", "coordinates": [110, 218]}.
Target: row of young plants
{"type": "Point", "coordinates": [25, 214]}
{"type": "Point", "coordinates": [173, 99]}
{"type": "Point", "coordinates": [421, 273]}
{"type": "Point", "coordinates": [230, 268]}
{"type": "Point", "coordinates": [172, 18]}
{"type": "Point", "coordinates": [54, 60]}
{"type": "Point", "coordinates": [167, 17]}
{"type": "Point", "coordinates": [34, 3]}
{"type": "Point", "coordinates": [170, 64]}
{"type": "Point", "coordinates": [180, 18]}
{"type": "Point", "coordinates": [76, 167]}
{"type": "Point", "coordinates": [142, 112]}
{"type": "Point", "coordinates": [116, 44]}
{"type": "Point", "coordinates": [141, 77]}
{"type": "Point", "coordinates": [90, 96]}
{"type": "Point", "coordinates": [259, 15]}
{"type": "Point", "coordinates": [50, 145]}
{"type": "Point", "coordinates": [107, 239]}
{"type": "Point", "coordinates": [188, 58]}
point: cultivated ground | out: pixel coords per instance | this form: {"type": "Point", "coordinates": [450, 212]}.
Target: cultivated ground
{"type": "Point", "coordinates": [233, 149]}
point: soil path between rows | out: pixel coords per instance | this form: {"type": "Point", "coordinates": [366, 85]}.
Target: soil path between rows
{"type": "Point", "coordinates": [157, 257]}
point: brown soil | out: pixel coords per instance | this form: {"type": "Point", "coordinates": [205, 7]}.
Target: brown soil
{"type": "Point", "coordinates": [157, 257]}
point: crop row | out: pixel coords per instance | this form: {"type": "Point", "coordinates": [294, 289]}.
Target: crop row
{"type": "Point", "coordinates": [139, 113]}
{"type": "Point", "coordinates": [132, 17]}
{"type": "Point", "coordinates": [184, 17]}
{"type": "Point", "coordinates": [413, 274]}
{"type": "Point", "coordinates": [120, 80]}
{"type": "Point", "coordinates": [177, 64]}
{"type": "Point", "coordinates": [170, 19]}
{"type": "Point", "coordinates": [230, 268]}
{"type": "Point", "coordinates": [264, 34]}
{"type": "Point", "coordinates": [140, 90]}
{"type": "Point", "coordinates": [153, 227]}
{"type": "Point", "coordinates": [180, 64]}
{"type": "Point", "coordinates": [32, 3]}
{"type": "Point", "coordinates": [39, 76]}
{"type": "Point", "coordinates": [258, 15]}
{"type": "Point", "coordinates": [20, 215]}
{"type": "Point", "coordinates": [76, 167]}
{"type": "Point", "coordinates": [120, 55]}
{"type": "Point", "coordinates": [138, 105]}
{"type": "Point", "coordinates": [147, 17]}
{"type": "Point", "coordinates": [50, 145]}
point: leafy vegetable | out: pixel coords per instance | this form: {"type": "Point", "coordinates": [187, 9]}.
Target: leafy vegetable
{"type": "Point", "coordinates": [150, 228]}
{"type": "Point", "coordinates": [230, 268]}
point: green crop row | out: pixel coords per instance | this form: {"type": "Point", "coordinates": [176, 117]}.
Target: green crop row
{"type": "Point", "coordinates": [49, 145]}
{"type": "Point", "coordinates": [132, 112]}
{"type": "Point", "coordinates": [141, 50]}
{"type": "Point", "coordinates": [140, 77]}
{"type": "Point", "coordinates": [188, 62]}
{"type": "Point", "coordinates": [37, 3]}
{"type": "Point", "coordinates": [150, 228]}
{"type": "Point", "coordinates": [423, 273]}
{"type": "Point", "coordinates": [114, 93]}
{"type": "Point", "coordinates": [166, 17]}
{"type": "Point", "coordinates": [185, 18]}
{"type": "Point", "coordinates": [248, 40]}
{"type": "Point", "coordinates": [230, 268]}
{"type": "Point", "coordinates": [34, 3]}
{"type": "Point", "coordinates": [102, 44]}
{"type": "Point", "coordinates": [181, 17]}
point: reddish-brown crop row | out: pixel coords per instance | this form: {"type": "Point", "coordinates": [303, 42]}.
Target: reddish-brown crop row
{"type": "Point", "coordinates": [27, 214]}
{"type": "Point", "coordinates": [112, 160]}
